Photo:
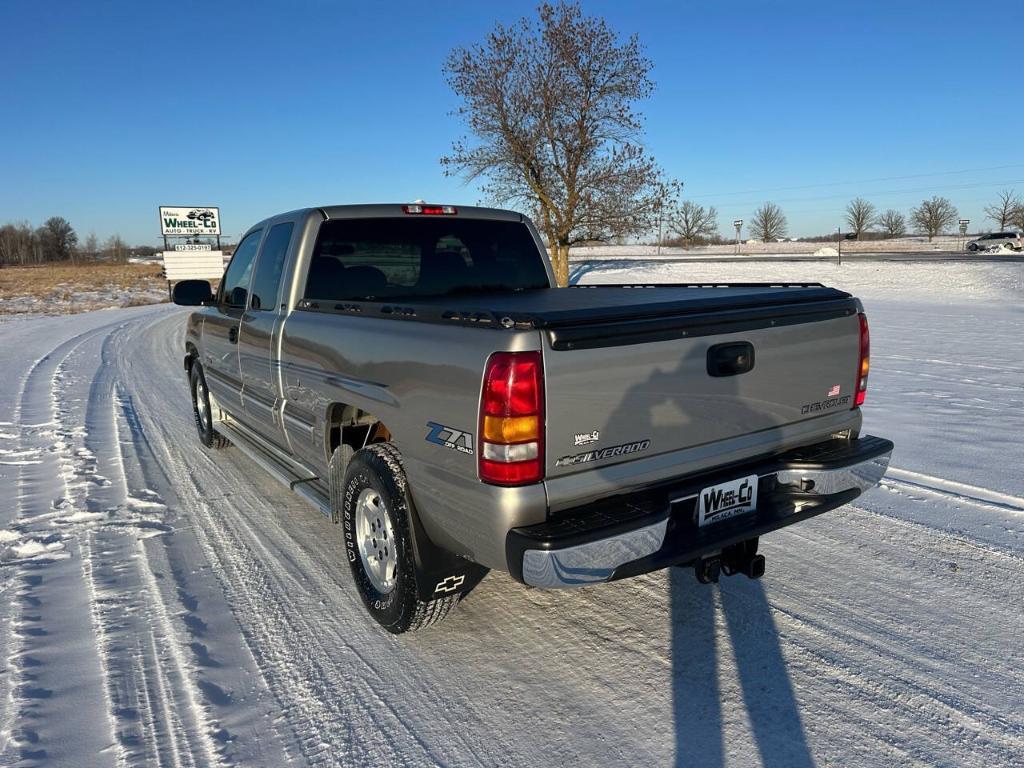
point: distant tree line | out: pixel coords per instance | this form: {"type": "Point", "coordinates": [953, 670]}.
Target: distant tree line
{"type": "Point", "coordinates": [56, 241]}
{"type": "Point", "coordinates": [690, 223]}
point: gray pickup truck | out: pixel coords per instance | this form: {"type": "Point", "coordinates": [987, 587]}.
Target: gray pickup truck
{"type": "Point", "coordinates": [413, 371]}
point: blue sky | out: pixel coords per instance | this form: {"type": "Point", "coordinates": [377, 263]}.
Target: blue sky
{"type": "Point", "coordinates": [108, 110]}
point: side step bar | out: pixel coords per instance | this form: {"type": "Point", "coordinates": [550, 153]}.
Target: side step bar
{"type": "Point", "coordinates": [304, 486]}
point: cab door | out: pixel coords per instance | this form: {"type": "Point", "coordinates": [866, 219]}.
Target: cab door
{"type": "Point", "coordinates": [221, 327]}
{"type": "Point", "coordinates": [259, 335]}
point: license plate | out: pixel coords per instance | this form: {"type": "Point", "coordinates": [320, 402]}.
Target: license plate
{"type": "Point", "coordinates": [725, 500]}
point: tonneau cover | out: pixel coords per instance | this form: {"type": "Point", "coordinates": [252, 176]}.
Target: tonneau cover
{"type": "Point", "coordinates": [583, 305]}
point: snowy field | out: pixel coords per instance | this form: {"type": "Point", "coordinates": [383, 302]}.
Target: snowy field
{"type": "Point", "coordinates": [909, 244]}
{"type": "Point", "coordinates": [162, 605]}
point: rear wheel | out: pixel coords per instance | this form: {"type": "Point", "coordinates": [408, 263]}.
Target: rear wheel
{"type": "Point", "coordinates": [376, 516]}
{"type": "Point", "coordinates": [202, 410]}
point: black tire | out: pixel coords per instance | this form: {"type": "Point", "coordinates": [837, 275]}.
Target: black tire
{"type": "Point", "coordinates": [972, 247]}
{"type": "Point", "coordinates": [340, 459]}
{"type": "Point", "coordinates": [202, 412]}
{"type": "Point", "coordinates": [377, 470]}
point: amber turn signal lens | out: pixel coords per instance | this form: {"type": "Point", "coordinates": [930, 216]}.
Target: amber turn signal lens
{"type": "Point", "coordinates": [515, 429]}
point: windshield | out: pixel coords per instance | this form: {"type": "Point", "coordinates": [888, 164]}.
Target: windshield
{"type": "Point", "coordinates": [416, 256]}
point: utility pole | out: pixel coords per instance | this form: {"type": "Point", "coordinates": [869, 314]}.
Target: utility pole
{"type": "Point", "coordinates": [661, 207]}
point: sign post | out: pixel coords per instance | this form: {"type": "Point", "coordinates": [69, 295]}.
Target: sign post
{"type": "Point", "coordinates": [192, 258]}
{"type": "Point", "coordinates": [738, 223]}
{"type": "Point", "coordinates": [963, 232]}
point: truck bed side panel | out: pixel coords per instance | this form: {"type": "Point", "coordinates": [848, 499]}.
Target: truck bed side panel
{"type": "Point", "coordinates": [412, 376]}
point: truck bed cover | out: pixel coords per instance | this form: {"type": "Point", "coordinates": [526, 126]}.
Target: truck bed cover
{"type": "Point", "coordinates": [587, 316]}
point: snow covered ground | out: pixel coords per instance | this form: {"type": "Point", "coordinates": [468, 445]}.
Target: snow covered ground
{"type": "Point", "coordinates": [910, 244]}
{"type": "Point", "coordinates": [165, 605]}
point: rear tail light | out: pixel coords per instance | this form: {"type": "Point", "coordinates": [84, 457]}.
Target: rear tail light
{"type": "Point", "coordinates": [512, 419]}
{"type": "Point", "coordinates": [864, 364]}
{"type": "Point", "coordinates": [431, 210]}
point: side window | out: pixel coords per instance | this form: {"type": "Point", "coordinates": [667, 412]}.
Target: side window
{"type": "Point", "coordinates": [269, 267]}
{"type": "Point", "coordinates": [234, 291]}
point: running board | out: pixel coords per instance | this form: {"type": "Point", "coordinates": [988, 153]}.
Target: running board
{"type": "Point", "coordinates": [302, 486]}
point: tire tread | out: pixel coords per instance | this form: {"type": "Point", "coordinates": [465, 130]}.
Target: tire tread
{"type": "Point", "coordinates": [424, 613]}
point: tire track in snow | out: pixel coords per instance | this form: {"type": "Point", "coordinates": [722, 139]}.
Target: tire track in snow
{"type": "Point", "coordinates": [48, 604]}
{"type": "Point", "coordinates": [212, 676]}
{"type": "Point", "coordinates": [868, 646]}
{"type": "Point", "coordinates": [153, 724]}
{"type": "Point", "coordinates": [985, 498]}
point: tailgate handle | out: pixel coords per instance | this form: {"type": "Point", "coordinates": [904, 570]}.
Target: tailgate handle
{"type": "Point", "coordinates": [730, 359]}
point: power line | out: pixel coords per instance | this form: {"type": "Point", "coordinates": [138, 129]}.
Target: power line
{"type": "Point", "coordinates": [863, 181]}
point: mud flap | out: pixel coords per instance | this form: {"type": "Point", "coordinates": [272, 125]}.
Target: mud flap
{"type": "Point", "coordinates": [439, 572]}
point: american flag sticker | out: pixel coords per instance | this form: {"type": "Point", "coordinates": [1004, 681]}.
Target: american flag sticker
{"type": "Point", "coordinates": [834, 391]}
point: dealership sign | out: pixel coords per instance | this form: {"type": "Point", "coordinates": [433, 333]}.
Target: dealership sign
{"type": "Point", "coordinates": [189, 221]}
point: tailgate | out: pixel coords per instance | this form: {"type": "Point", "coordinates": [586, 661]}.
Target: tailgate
{"type": "Point", "coordinates": [616, 396]}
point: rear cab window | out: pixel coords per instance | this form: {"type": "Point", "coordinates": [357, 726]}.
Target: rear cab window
{"type": "Point", "coordinates": [390, 258]}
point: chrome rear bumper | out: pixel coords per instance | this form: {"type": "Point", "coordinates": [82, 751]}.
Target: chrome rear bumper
{"type": "Point", "coordinates": [657, 528]}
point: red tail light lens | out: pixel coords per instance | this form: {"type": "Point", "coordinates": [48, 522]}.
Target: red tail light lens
{"type": "Point", "coordinates": [512, 419]}
{"type": "Point", "coordinates": [864, 364]}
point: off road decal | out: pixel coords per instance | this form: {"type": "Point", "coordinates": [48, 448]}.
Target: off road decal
{"type": "Point", "coordinates": [604, 453]}
{"type": "Point", "coordinates": [450, 438]}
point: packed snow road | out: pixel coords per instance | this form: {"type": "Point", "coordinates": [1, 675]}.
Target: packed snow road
{"type": "Point", "coordinates": [167, 605]}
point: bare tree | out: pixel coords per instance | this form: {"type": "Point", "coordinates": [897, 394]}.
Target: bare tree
{"type": "Point", "coordinates": [768, 223]}
{"type": "Point", "coordinates": [860, 215]}
{"type": "Point", "coordinates": [91, 246]}
{"type": "Point", "coordinates": [1002, 212]}
{"type": "Point", "coordinates": [1017, 218]}
{"type": "Point", "coordinates": [692, 221]}
{"type": "Point", "coordinates": [549, 103]}
{"type": "Point", "coordinates": [115, 249]}
{"type": "Point", "coordinates": [933, 216]}
{"type": "Point", "coordinates": [58, 239]}
{"type": "Point", "coordinates": [17, 244]}
{"type": "Point", "coordinates": [893, 223]}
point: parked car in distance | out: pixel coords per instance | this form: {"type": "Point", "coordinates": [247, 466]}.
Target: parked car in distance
{"type": "Point", "coordinates": [414, 373]}
{"type": "Point", "coordinates": [995, 239]}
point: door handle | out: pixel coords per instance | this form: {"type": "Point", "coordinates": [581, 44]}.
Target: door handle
{"type": "Point", "coordinates": [233, 334]}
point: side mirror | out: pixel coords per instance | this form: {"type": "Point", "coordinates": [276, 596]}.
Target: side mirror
{"type": "Point", "coordinates": [192, 293]}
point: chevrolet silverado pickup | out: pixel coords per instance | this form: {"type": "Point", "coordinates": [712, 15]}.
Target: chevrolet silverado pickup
{"type": "Point", "coordinates": [414, 373]}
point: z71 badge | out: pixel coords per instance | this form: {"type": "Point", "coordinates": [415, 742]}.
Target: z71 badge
{"type": "Point", "coordinates": [450, 438]}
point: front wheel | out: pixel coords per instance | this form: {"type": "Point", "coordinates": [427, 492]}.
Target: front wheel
{"type": "Point", "coordinates": [375, 515]}
{"type": "Point", "coordinates": [202, 412]}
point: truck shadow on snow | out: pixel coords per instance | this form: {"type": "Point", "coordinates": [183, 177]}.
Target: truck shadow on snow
{"type": "Point", "coordinates": [707, 619]}
{"type": "Point", "coordinates": [699, 706]}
